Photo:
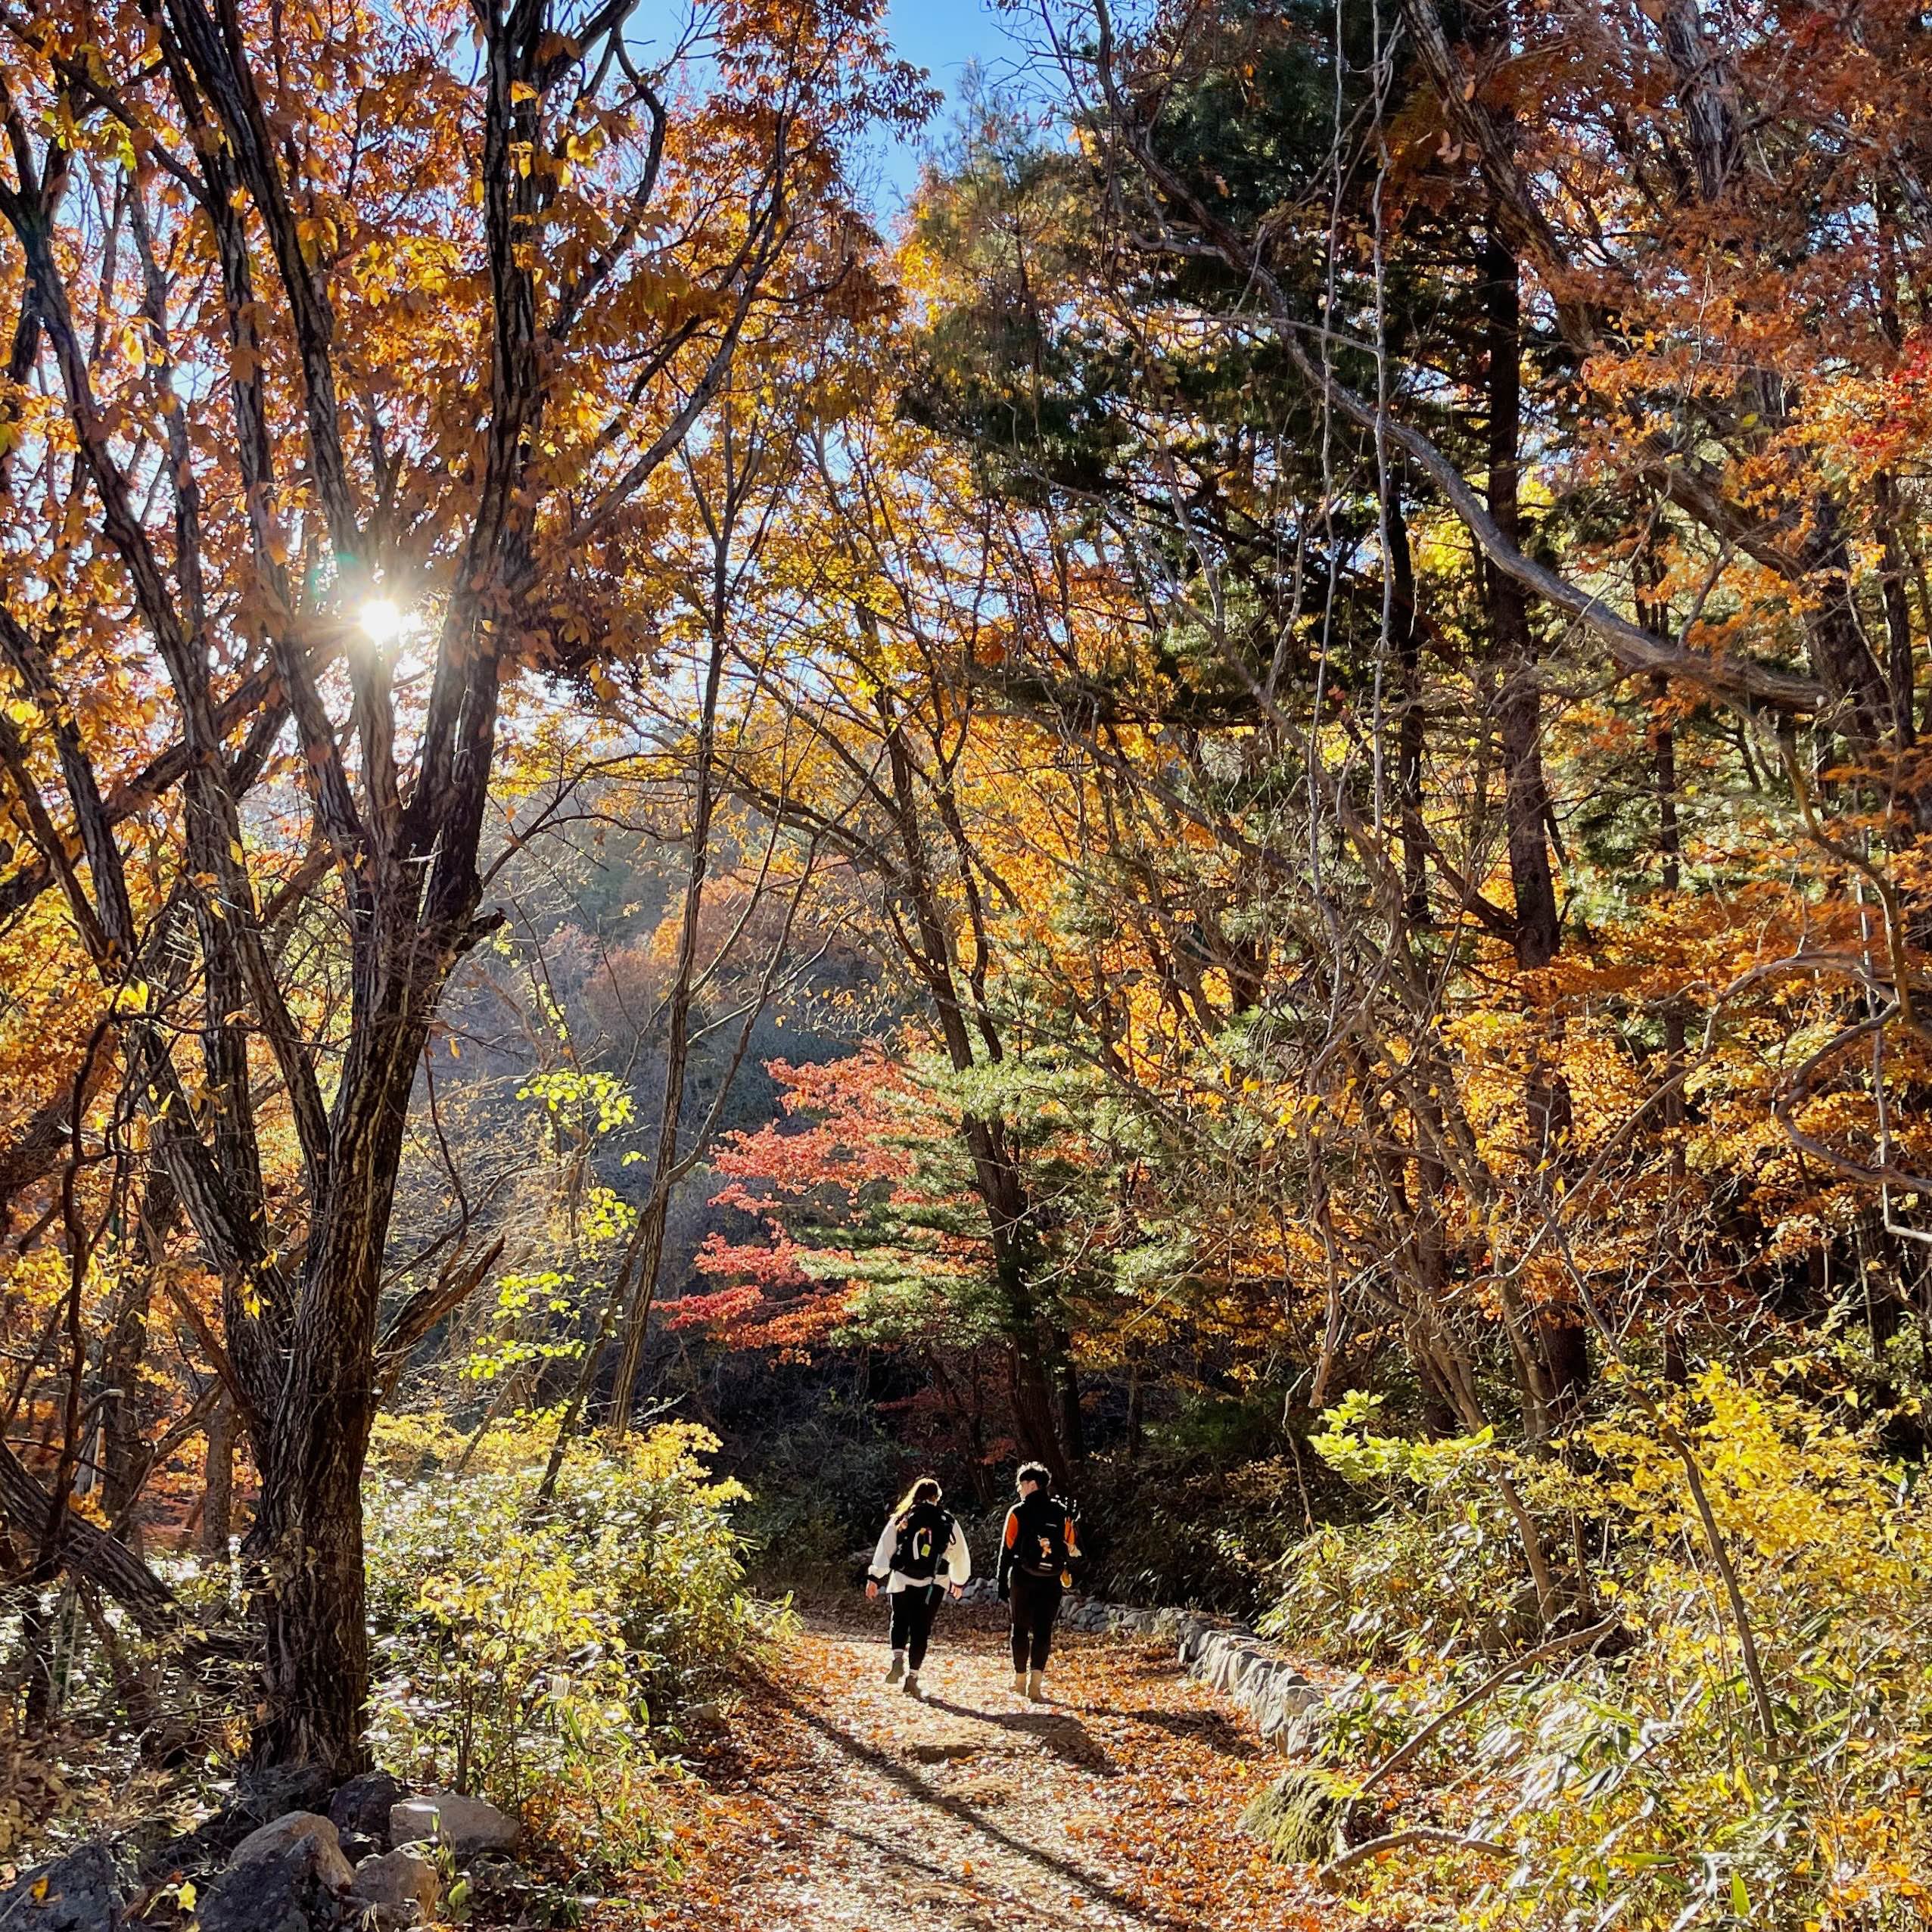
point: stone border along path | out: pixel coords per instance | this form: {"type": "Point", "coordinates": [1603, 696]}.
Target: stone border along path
{"type": "Point", "coordinates": [1261, 1679]}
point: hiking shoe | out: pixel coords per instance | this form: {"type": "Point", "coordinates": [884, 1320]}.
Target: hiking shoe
{"type": "Point", "coordinates": [898, 1669]}
{"type": "Point", "coordinates": [1036, 1687]}
{"type": "Point", "coordinates": [910, 1687]}
{"type": "Point", "coordinates": [1019, 1683]}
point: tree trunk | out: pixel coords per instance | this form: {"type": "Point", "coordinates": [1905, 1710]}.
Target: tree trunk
{"type": "Point", "coordinates": [124, 1416]}
{"type": "Point", "coordinates": [1405, 624]}
{"type": "Point", "coordinates": [1066, 1387]}
{"type": "Point", "coordinates": [218, 1491]}
{"type": "Point", "coordinates": [84, 1549]}
{"type": "Point", "coordinates": [1561, 1343]}
{"type": "Point", "coordinates": [308, 1532]}
{"type": "Point", "coordinates": [1526, 800]}
{"type": "Point", "coordinates": [1672, 1113]}
{"type": "Point", "coordinates": [650, 1265]}
{"type": "Point", "coordinates": [1900, 667]}
{"type": "Point", "coordinates": [1565, 1348]}
{"type": "Point", "coordinates": [1032, 1395]}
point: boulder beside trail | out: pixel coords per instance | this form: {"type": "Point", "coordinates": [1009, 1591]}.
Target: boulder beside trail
{"type": "Point", "coordinates": [83, 1892]}
{"type": "Point", "coordinates": [306, 1835]}
{"type": "Point", "coordinates": [279, 1891]}
{"type": "Point", "coordinates": [363, 1804]}
{"type": "Point", "coordinates": [470, 1827]}
{"type": "Point", "coordinates": [403, 1886]}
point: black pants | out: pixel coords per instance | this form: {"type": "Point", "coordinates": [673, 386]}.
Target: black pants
{"type": "Point", "coordinates": [1036, 1603]}
{"type": "Point", "coordinates": [913, 1613]}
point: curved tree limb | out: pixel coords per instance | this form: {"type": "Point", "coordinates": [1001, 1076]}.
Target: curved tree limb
{"type": "Point", "coordinates": [1743, 682]}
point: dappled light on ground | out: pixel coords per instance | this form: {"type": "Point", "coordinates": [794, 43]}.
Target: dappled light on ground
{"type": "Point", "coordinates": [843, 1805]}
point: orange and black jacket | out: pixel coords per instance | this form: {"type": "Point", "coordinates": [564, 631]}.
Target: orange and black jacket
{"type": "Point", "coordinates": [1041, 1538]}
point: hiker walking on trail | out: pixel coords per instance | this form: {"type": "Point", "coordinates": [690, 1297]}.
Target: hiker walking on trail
{"type": "Point", "coordinates": [1037, 1555]}
{"type": "Point", "coordinates": [922, 1553]}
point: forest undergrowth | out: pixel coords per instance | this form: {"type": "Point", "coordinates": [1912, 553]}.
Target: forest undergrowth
{"type": "Point", "coordinates": [1616, 1764]}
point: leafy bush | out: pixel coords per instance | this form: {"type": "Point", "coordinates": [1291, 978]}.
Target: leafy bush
{"type": "Point", "coordinates": [537, 1656]}
{"type": "Point", "coordinates": [1442, 1568]}
{"type": "Point", "coordinates": [1631, 1782]}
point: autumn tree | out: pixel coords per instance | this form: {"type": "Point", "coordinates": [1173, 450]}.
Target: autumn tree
{"type": "Point", "coordinates": [346, 351]}
{"type": "Point", "coordinates": [1426, 705]}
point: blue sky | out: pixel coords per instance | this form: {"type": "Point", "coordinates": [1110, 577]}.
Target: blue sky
{"type": "Point", "coordinates": [943, 35]}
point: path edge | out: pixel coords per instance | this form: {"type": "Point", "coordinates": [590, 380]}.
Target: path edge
{"type": "Point", "coordinates": [1256, 1676]}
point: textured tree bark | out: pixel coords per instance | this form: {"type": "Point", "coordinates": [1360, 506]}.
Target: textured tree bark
{"type": "Point", "coordinates": [1527, 799]}
{"type": "Point", "coordinates": [124, 1415]}
{"type": "Point", "coordinates": [91, 1553]}
{"type": "Point", "coordinates": [218, 1491]}
{"type": "Point", "coordinates": [1406, 627]}
{"type": "Point", "coordinates": [1031, 1395]}
{"type": "Point", "coordinates": [308, 1533]}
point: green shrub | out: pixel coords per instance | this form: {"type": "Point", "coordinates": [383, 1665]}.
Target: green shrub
{"type": "Point", "coordinates": [1631, 1781]}
{"type": "Point", "coordinates": [1441, 1569]}
{"type": "Point", "coordinates": [538, 1655]}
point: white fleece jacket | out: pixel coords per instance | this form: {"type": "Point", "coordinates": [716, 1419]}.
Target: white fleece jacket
{"type": "Point", "coordinates": [955, 1566]}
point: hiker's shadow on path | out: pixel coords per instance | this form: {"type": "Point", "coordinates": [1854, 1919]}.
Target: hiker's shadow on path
{"type": "Point", "coordinates": [1060, 1731]}
{"type": "Point", "coordinates": [1089, 1883]}
{"type": "Point", "coordinates": [1208, 1728]}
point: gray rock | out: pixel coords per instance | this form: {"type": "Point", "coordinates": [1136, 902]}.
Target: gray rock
{"type": "Point", "coordinates": [84, 1892]}
{"type": "Point", "coordinates": [1279, 1705]}
{"type": "Point", "coordinates": [364, 1803]}
{"type": "Point", "coordinates": [470, 1827]}
{"type": "Point", "coordinates": [278, 1892]}
{"type": "Point", "coordinates": [259, 1796]}
{"type": "Point", "coordinates": [402, 1886]}
{"type": "Point", "coordinates": [305, 1835]}
{"type": "Point", "coordinates": [1233, 1662]}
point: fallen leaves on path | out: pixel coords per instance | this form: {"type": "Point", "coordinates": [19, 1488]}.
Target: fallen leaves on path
{"type": "Point", "coordinates": [837, 1802]}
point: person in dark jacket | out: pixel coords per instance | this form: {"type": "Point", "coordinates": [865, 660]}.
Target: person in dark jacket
{"type": "Point", "coordinates": [922, 1554]}
{"type": "Point", "coordinates": [1038, 1551]}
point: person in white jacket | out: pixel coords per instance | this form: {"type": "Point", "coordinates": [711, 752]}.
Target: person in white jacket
{"type": "Point", "coordinates": [922, 1554]}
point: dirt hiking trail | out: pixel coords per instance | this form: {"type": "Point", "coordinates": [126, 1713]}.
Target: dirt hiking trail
{"type": "Point", "coordinates": [842, 1805]}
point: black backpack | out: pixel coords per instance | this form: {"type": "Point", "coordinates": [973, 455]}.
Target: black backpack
{"type": "Point", "coordinates": [925, 1530]}
{"type": "Point", "coordinates": [1039, 1549]}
